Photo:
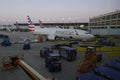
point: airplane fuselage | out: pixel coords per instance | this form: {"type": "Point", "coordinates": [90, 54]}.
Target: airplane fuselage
{"type": "Point", "coordinates": [52, 33]}
{"type": "Point", "coordinates": [65, 33]}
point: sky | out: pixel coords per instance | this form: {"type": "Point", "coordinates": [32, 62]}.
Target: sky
{"type": "Point", "coordinates": [54, 10]}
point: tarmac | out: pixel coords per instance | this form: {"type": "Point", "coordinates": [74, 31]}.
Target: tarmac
{"type": "Point", "coordinates": [32, 58]}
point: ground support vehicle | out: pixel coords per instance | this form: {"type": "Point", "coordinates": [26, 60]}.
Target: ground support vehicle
{"type": "Point", "coordinates": [4, 36]}
{"type": "Point", "coordinates": [57, 46]}
{"type": "Point", "coordinates": [26, 44]}
{"type": "Point", "coordinates": [45, 51]}
{"type": "Point", "coordinates": [92, 54]}
{"type": "Point", "coordinates": [89, 76]}
{"type": "Point", "coordinates": [68, 53]}
{"type": "Point", "coordinates": [70, 44]}
{"type": "Point", "coordinates": [6, 42]}
{"type": "Point", "coordinates": [53, 63]}
{"type": "Point", "coordinates": [89, 61]}
{"type": "Point", "coordinates": [105, 42]}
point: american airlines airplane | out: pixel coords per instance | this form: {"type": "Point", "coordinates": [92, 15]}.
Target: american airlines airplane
{"type": "Point", "coordinates": [53, 33]}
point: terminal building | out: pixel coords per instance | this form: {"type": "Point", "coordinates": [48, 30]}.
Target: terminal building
{"type": "Point", "coordinates": [106, 24]}
{"type": "Point", "coordinates": [74, 25]}
{"type": "Point", "coordinates": [71, 25]}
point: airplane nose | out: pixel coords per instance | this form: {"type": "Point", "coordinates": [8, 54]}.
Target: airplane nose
{"type": "Point", "coordinates": [91, 36]}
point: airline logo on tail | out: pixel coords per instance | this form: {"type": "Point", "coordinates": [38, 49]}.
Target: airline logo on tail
{"type": "Point", "coordinates": [30, 24]}
{"type": "Point", "coordinates": [29, 20]}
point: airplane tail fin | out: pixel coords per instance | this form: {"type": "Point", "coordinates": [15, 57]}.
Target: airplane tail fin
{"type": "Point", "coordinates": [29, 21]}
{"type": "Point", "coordinates": [41, 25]}
{"type": "Point", "coordinates": [31, 26]}
{"type": "Point", "coordinates": [17, 26]}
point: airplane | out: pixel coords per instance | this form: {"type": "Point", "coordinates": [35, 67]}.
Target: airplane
{"type": "Point", "coordinates": [17, 28]}
{"type": "Point", "coordinates": [54, 33]}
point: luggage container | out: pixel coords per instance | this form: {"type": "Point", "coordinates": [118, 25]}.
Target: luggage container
{"type": "Point", "coordinates": [114, 65]}
{"type": "Point", "coordinates": [109, 73]}
{"type": "Point", "coordinates": [89, 76]}
{"type": "Point", "coordinates": [68, 53]}
{"type": "Point", "coordinates": [45, 51]}
{"type": "Point", "coordinates": [53, 63]}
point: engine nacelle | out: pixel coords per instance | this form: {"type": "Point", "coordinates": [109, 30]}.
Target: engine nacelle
{"type": "Point", "coordinates": [51, 37]}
